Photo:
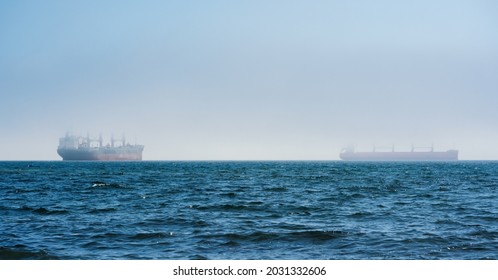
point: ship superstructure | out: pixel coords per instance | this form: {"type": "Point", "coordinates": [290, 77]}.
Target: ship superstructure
{"type": "Point", "coordinates": [73, 147]}
{"type": "Point", "coordinates": [415, 154]}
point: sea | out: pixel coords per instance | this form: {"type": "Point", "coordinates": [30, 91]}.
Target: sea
{"type": "Point", "coordinates": [249, 210]}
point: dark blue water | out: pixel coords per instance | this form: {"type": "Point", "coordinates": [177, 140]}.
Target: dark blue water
{"type": "Point", "coordinates": [248, 210]}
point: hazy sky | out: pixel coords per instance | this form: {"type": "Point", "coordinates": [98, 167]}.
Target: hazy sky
{"type": "Point", "coordinates": [245, 80]}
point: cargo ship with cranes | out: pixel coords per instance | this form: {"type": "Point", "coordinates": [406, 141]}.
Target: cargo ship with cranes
{"type": "Point", "coordinates": [389, 154]}
{"type": "Point", "coordinates": [73, 147]}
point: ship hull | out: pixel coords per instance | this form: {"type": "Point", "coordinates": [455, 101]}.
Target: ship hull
{"type": "Point", "coordinates": [106, 154]}
{"type": "Point", "coordinates": [450, 155]}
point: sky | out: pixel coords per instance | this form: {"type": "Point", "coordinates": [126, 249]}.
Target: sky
{"type": "Point", "coordinates": [250, 80]}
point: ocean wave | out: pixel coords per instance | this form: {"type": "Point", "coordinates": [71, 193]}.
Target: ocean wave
{"type": "Point", "coordinates": [99, 184]}
{"type": "Point", "coordinates": [44, 211]}
{"type": "Point", "coordinates": [293, 236]}
{"type": "Point", "coordinates": [225, 207]}
{"type": "Point", "coordinates": [102, 210]}
{"type": "Point", "coordinates": [20, 252]}
{"type": "Point", "coordinates": [276, 189]}
{"type": "Point", "coordinates": [362, 214]}
{"type": "Point", "coordinates": [151, 235]}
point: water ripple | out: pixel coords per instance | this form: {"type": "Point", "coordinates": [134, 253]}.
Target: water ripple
{"type": "Point", "coordinates": [248, 210]}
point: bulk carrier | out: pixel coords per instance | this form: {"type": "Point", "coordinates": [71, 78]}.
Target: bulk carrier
{"type": "Point", "coordinates": [427, 154]}
{"type": "Point", "coordinates": [84, 148]}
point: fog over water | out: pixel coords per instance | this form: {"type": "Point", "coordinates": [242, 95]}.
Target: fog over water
{"type": "Point", "coordinates": [250, 80]}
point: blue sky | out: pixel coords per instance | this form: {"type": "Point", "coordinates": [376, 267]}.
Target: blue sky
{"type": "Point", "coordinates": [216, 80]}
